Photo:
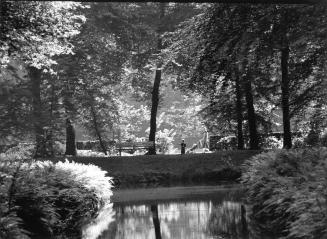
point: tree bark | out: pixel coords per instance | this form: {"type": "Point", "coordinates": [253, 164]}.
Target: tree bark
{"type": "Point", "coordinates": [285, 98]}
{"type": "Point", "coordinates": [239, 115]}
{"type": "Point", "coordinates": [52, 109]}
{"type": "Point", "coordinates": [156, 86]}
{"type": "Point", "coordinates": [70, 109]}
{"type": "Point", "coordinates": [70, 139]}
{"type": "Point", "coordinates": [154, 110]}
{"type": "Point", "coordinates": [285, 54]}
{"type": "Point", "coordinates": [42, 148]}
{"type": "Point", "coordinates": [97, 131]}
{"type": "Point", "coordinates": [254, 142]}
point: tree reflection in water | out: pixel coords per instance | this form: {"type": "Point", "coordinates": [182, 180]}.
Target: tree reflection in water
{"type": "Point", "coordinates": [156, 222]}
{"type": "Point", "coordinates": [179, 220]}
{"type": "Point", "coordinates": [229, 220]}
{"type": "Point", "coordinates": [213, 216]}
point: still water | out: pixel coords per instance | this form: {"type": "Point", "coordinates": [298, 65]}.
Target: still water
{"type": "Point", "coordinates": [197, 212]}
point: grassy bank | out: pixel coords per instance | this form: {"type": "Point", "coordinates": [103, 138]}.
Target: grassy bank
{"type": "Point", "coordinates": [171, 169]}
{"type": "Point", "coordinates": [287, 192]}
{"type": "Point", "coordinates": [49, 200]}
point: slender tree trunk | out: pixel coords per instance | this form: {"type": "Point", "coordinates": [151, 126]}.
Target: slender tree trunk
{"type": "Point", "coordinates": [285, 98]}
{"type": "Point", "coordinates": [239, 115]}
{"type": "Point", "coordinates": [154, 109]}
{"type": "Point", "coordinates": [40, 137]}
{"type": "Point", "coordinates": [49, 133]}
{"type": "Point", "coordinates": [70, 139]}
{"type": "Point", "coordinates": [254, 142]}
{"type": "Point", "coordinates": [97, 131]}
{"type": "Point", "coordinates": [156, 222]}
{"type": "Point", "coordinates": [285, 54]}
{"type": "Point", "coordinates": [156, 86]}
{"type": "Point", "coordinates": [69, 108]}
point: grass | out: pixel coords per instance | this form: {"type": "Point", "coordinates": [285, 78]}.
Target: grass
{"type": "Point", "coordinates": [166, 169]}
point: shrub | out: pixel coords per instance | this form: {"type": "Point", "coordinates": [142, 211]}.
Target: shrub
{"type": "Point", "coordinates": [59, 148]}
{"type": "Point", "coordinates": [227, 143]}
{"type": "Point", "coordinates": [271, 142]}
{"type": "Point", "coordinates": [323, 139]}
{"type": "Point", "coordinates": [312, 139]}
{"type": "Point", "coordinates": [287, 192]}
{"type": "Point", "coordinates": [298, 142]}
{"type": "Point", "coordinates": [61, 198]}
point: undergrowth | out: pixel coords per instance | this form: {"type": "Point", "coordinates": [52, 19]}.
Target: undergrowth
{"type": "Point", "coordinates": [48, 200]}
{"type": "Point", "coordinates": [287, 192]}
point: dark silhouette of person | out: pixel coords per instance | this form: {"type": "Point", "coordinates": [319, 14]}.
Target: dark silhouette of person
{"type": "Point", "coordinates": [183, 146]}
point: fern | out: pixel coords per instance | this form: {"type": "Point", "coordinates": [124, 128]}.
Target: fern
{"type": "Point", "coordinates": [287, 192]}
{"type": "Point", "coordinates": [62, 198]}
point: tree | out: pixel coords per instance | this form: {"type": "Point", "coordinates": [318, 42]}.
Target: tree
{"type": "Point", "coordinates": [273, 45]}
{"type": "Point", "coordinates": [26, 38]}
{"type": "Point", "coordinates": [140, 31]}
{"type": "Point", "coordinates": [70, 139]}
{"type": "Point", "coordinates": [226, 42]}
{"type": "Point", "coordinates": [90, 76]}
{"type": "Point", "coordinates": [156, 84]}
{"type": "Point", "coordinates": [290, 32]}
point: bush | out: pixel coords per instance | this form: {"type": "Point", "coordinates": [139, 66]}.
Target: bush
{"type": "Point", "coordinates": [61, 198]}
{"type": "Point", "coordinates": [59, 148]}
{"type": "Point", "coordinates": [287, 192]}
{"type": "Point", "coordinates": [298, 142]}
{"type": "Point", "coordinates": [312, 139]}
{"type": "Point", "coordinates": [271, 142]}
{"type": "Point", "coordinates": [227, 143]}
{"type": "Point", "coordinates": [323, 139]}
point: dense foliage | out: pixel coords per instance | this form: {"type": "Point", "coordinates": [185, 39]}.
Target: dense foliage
{"type": "Point", "coordinates": [260, 67]}
{"type": "Point", "coordinates": [79, 61]}
{"type": "Point", "coordinates": [61, 198]}
{"type": "Point", "coordinates": [287, 192]}
{"type": "Point", "coordinates": [32, 34]}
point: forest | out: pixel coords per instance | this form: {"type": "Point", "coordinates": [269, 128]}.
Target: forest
{"type": "Point", "coordinates": [111, 72]}
{"type": "Point", "coordinates": [243, 70]}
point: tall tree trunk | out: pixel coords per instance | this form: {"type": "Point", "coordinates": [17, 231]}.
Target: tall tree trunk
{"type": "Point", "coordinates": [38, 120]}
{"type": "Point", "coordinates": [69, 109]}
{"type": "Point", "coordinates": [285, 51]}
{"type": "Point", "coordinates": [154, 109]}
{"type": "Point", "coordinates": [156, 222]}
{"type": "Point", "coordinates": [70, 139]}
{"type": "Point", "coordinates": [254, 142]}
{"type": "Point", "coordinates": [239, 115]}
{"type": "Point", "coordinates": [156, 86]}
{"type": "Point", "coordinates": [49, 131]}
{"type": "Point", "coordinates": [97, 131]}
{"type": "Point", "coordinates": [285, 54]}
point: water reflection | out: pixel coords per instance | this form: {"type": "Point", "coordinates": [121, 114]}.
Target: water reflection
{"type": "Point", "coordinates": [229, 220]}
{"type": "Point", "coordinates": [182, 219]}
{"type": "Point", "coordinates": [156, 221]}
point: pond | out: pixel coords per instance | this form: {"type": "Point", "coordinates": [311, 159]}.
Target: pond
{"type": "Point", "coordinates": [194, 212]}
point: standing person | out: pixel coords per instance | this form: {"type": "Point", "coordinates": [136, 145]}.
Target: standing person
{"type": "Point", "coordinates": [183, 146]}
